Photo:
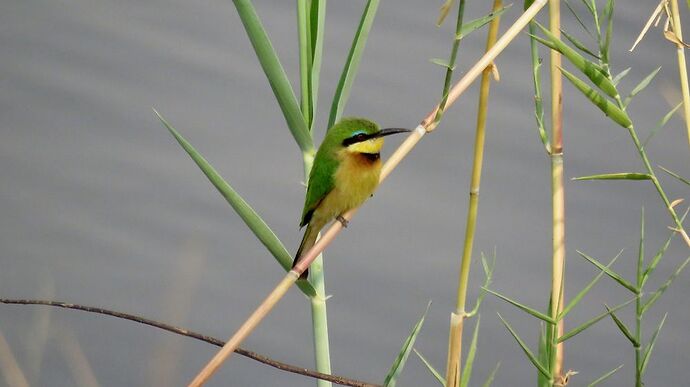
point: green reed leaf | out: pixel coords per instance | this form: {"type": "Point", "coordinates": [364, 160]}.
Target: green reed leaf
{"type": "Point", "coordinates": [431, 368]}
{"type": "Point", "coordinates": [615, 276]}
{"type": "Point", "coordinates": [610, 110]}
{"type": "Point", "coordinates": [347, 77]}
{"type": "Point", "coordinates": [275, 73]}
{"type": "Point", "coordinates": [400, 360]}
{"type": "Point", "coordinates": [617, 176]}
{"type": "Point", "coordinates": [257, 225]}
{"type": "Point", "coordinates": [542, 369]}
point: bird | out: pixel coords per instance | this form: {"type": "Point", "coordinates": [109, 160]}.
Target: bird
{"type": "Point", "coordinates": [344, 174]}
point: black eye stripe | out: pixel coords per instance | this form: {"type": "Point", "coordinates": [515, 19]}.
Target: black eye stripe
{"type": "Point", "coordinates": [359, 137]}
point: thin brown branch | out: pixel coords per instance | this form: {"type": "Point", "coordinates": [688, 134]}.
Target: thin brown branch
{"type": "Point", "coordinates": [198, 336]}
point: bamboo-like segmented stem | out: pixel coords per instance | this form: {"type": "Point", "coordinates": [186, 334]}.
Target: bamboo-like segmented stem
{"type": "Point", "coordinates": [453, 365]}
{"type": "Point", "coordinates": [426, 126]}
{"type": "Point", "coordinates": [682, 67]}
{"type": "Point", "coordinates": [487, 59]}
{"type": "Point", "coordinates": [451, 61]}
{"type": "Point", "coordinates": [557, 192]}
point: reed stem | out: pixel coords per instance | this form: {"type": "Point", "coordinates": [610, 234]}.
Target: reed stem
{"type": "Point", "coordinates": [453, 367]}
{"type": "Point", "coordinates": [558, 195]}
{"type": "Point", "coordinates": [319, 320]}
{"type": "Point", "coordinates": [682, 67]}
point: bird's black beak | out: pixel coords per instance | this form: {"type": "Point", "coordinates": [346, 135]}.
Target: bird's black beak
{"type": "Point", "coordinates": [389, 131]}
{"type": "Point", "coordinates": [365, 137]}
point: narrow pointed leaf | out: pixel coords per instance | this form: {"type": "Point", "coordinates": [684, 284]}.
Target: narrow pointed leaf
{"type": "Point", "coordinates": [585, 290]}
{"type": "Point", "coordinates": [542, 369]}
{"type": "Point", "coordinates": [544, 353]}
{"type": "Point", "coordinates": [677, 176]}
{"type": "Point", "coordinates": [490, 379]}
{"type": "Point", "coordinates": [657, 257]}
{"type": "Point", "coordinates": [591, 322]}
{"type": "Point", "coordinates": [305, 59]}
{"type": "Point", "coordinates": [442, 63]}
{"type": "Point", "coordinates": [641, 86]}
{"type": "Point", "coordinates": [655, 296]}
{"type": "Point", "coordinates": [650, 347]}
{"type": "Point", "coordinates": [623, 328]}
{"type": "Point", "coordinates": [347, 77]}
{"type": "Point", "coordinates": [471, 353]}
{"type": "Point", "coordinates": [604, 376]}
{"type": "Point", "coordinates": [580, 46]}
{"type": "Point", "coordinates": [478, 23]}
{"type": "Point", "coordinates": [400, 360]}
{"type": "Point", "coordinates": [620, 76]}
{"type": "Point", "coordinates": [617, 176]}
{"type": "Point", "coordinates": [606, 106]}
{"type": "Point", "coordinates": [431, 368]}
{"type": "Point", "coordinates": [488, 273]}
{"type": "Point", "coordinates": [536, 78]}
{"type": "Point", "coordinates": [608, 18]}
{"type": "Point", "coordinates": [267, 237]}
{"type": "Point", "coordinates": [592, 8]}
{"type": "Point", "coordinates": [318, 18]}
{"type": "Point", "coordinates": [592, 70]}
{"type": "Point", "coordinates": [275, 73]}
{"type": "Point", "coordinates": [525, 308]}
{"type": "Point", "coordinates": [615, 276]}
{"type": "Point", "coordinates": [660, 124]}
{"type": "Point", "coordinates": [579, 20]}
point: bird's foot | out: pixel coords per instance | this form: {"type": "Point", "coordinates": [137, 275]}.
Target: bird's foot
{"type": "Point", "coordinates": [342, 221]}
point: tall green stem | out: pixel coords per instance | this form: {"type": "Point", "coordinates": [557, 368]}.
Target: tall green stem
{"type": "Point", "coordinates": [453, 373]}
{"type": "Point", "coordinates": [682, 67]}
{"type": "Point", "coordinates": [451, 62]}
{"type": "Point", "coordinates": [319, 320]}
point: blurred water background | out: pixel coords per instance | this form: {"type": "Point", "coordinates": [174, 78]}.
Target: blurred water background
{"type": "Point", "coordinates": [99, 205]}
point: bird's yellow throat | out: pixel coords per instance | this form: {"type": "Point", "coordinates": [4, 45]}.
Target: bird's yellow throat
{"type": "Point", "coordinates": [371, 146]}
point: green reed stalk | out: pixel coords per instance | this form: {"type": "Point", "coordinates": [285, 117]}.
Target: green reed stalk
{"type": "Point", "coordinates": [557, 197]}
{"type": "Point", "coordinates": [682, 68]}
{"type": "Point", "coordinates": [319, 320]}
{"type": "Point", "coordinates": [453, 369]}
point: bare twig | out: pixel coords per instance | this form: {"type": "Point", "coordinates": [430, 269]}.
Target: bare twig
{"type": "Point", "coordinates": [198, 336]}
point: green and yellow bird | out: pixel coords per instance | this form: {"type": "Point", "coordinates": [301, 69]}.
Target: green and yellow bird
{"type": "Point", "coordinates": [345, 173]}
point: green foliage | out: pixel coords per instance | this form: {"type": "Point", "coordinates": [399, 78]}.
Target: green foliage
{"type": "Point", "coordinates": [533, 359]}
{"type": "Point", "coordinates": [641, 86]}
{"type": "Point", "coordinates": [267, 237]}
{"type": "Point", "coordinates": [437, 375]}
{"type": "Point", "coordinates": [471, 353]}
{"type": "Point", "coordinates": [275, 74]}
{"type": "Point", "coordinates": [475, 24]}
{"type": "Point", "coordinates": [604, 376]}
{"type": "Point", "coordinates": [660, 124]}
{"type": "Point", "coordinates": [404, 353]}
{"type": "Point", "coordinates": [617, 176]}
{"type": "Point", "coordinates": [347, 77]}
{"type": "Point", "coordinates": [609, 108]}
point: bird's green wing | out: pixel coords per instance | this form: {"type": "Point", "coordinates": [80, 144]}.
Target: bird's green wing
{"type": "Point", "coordinates": [320, 184]}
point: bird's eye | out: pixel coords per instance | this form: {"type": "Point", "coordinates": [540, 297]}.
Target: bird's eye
{"type": "Point", "coordinates": [360, 137]}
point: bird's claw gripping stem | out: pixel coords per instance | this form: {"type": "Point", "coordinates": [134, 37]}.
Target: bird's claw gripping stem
{"type": "Point", "coordinates": [343, 221]}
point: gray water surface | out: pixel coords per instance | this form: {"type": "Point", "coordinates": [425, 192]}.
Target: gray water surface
{"type": "Point", "coordinates": [100, 206]}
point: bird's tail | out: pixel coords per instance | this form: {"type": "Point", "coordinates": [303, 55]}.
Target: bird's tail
{"type": "Point", "coordinates": [308, 241]}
